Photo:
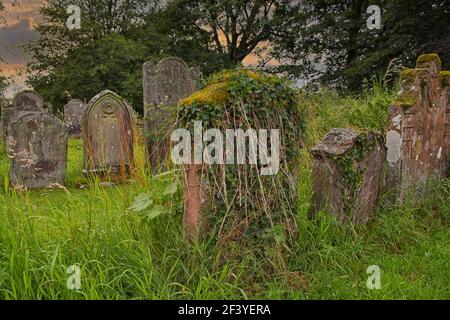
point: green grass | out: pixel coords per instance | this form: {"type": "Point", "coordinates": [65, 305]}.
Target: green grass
{"type": "Point", "coordinates": [122, 256]}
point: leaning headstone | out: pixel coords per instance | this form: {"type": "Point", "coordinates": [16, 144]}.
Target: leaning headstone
{"type": "Point", "coordinates": [164, 84]}
{"type": "Point", "coordinates": [23, 103]}
{"type": "Point", "coordinates": [416, 133]}
{"type": "Point", "coordinates": [107, 129]}
{"type": "Point", "coordinates": [37, 147]}
{"type": "Point", "coordinates": [347, 174]}
{"type": "Point", "coordinates": [73, 115]}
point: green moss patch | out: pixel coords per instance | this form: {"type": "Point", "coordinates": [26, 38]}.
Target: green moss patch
{"type": "Point", "coordinates": [424, 60]}
{"type": "Point", "coordinates": [445, 77]}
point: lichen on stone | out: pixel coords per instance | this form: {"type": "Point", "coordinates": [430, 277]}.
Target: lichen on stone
{"type": "Point", "coordinates": [445, 77]}
{"type": "Point", "coordinates": [424, 60]}
{"type": "Point", "coordinates": [217, 90]}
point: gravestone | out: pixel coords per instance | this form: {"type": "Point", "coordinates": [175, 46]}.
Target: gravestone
{"type": "Point", "coordinates": [416, 133]}
{"type": "Point", "coordinates": [107, 129]}
{"type": "Point", "coordinates": [347, 174]}
{"type": "Point", "coordinates": [23, 103]}
{"type": "Point", "coordinates": [73, 116]}
{"type": "Point", "coordinates": [164, 84]}
{"type": "Point", "coordinates": [37, 147]}
{"type": "Point", "coordinates": [28, 101]}
{"type": "Point", "coordinates": [445, 75]}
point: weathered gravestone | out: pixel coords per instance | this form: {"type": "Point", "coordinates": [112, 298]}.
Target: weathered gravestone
{"type": "Point", "coordinates": [416, 133]}
{"type": "Point", "coordinates": [347, 174]}
{"type": "Point", "coordinates": [37, 147]}
{"type": "Point", "coordinates": [445, 75]}
{"type": "Point", "coordinates": [23, 103]}
{"type": "Point", "coordinates": [73, 116]}
{"type": "Point", "coordinates": [107, 130]}
{"type": "Point", "coordinates": [165, 84]}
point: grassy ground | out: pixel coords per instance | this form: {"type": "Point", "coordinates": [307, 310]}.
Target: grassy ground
{"type": "Point", "coordinates": [124, 256]}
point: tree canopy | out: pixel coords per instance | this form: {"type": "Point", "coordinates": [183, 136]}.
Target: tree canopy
{"type": "Point", "coordinates": [324, 41]}
{"type": "Point", "coordinates": [330, 41]}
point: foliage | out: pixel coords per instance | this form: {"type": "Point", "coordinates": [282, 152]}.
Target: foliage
{"type": "Point", "coordinates": [236, 29]}
{"type": "Point", "coordinates": [113, 63]}
{"type": "Point", "coordinates": [101, 55]}
{"type": "Point", "coordinates": [330, 42]}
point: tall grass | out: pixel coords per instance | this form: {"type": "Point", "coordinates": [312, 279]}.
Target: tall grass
{"type": "Point", "coordinates": [122, 256]}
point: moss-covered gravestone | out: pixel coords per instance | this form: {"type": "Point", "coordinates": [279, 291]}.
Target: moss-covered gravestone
{"type": "Point", "coordinates": [240, 180]}
{"type": "Point", "coordinates": [347, 174]}
{"type": "Point", "coordinates": [418, 130]}
{"type": "Point", "coordinates": [108, 137]}
{"type": "Point", "coordinates": [37, 147]}
{"type": "Point", "coordinates": [164, 84]}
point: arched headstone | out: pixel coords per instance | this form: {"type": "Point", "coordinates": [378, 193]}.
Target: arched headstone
{"type": "Point", "coordinates": [73, 116]}
{"type": "Point", "coordinates": [37, 147]}
{"type": "Point", "coordinates": [28, 101]}
{"type": "Point", "coordinates": [165, 84]}
{"type": "Point", "coordinates": [108, 137]}
{"type": "Point", "coordinates": [23, 103]}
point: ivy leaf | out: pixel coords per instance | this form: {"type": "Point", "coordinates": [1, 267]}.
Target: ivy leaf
{"type": "Point", "coordinates": [156, 211]}
{"type": "Point", "coordinates": [278, 235]}
{"type": "Point", "coordinates": [141, 202]}
{"type": "Point", "coordinates": [171, 189]}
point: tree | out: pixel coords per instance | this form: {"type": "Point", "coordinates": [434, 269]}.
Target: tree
{"type": "Point", "coordinates": [112, 62]}
{"type": "Point", "coordinates": [235, 29]}
{"type": "Point", "coordinates": [85, 61]}
{"type": "Point", "coordinates": [330, 41]}
{"type": "Point", "coordinates": [98, 19]}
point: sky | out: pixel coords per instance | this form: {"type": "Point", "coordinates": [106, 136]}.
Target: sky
{"type": "Point", "coordinates": [17, 29]}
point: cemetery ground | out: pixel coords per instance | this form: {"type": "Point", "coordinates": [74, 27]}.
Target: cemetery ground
{"type": "Point", "coordinates": [124, 254]}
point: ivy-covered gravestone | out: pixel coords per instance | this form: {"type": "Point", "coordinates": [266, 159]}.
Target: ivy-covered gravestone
{"type": "Point", "coordinates": [347, 174]}
{"type": "Point", "coordinates": [240, 160]}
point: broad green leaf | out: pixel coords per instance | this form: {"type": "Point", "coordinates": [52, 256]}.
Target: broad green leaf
{"type": "Point", "coordinates": [156, 211]}
{"type": "Point", "coordinates": [171, 188]}
{"type": "Point", "coordinates": [141, 202]}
